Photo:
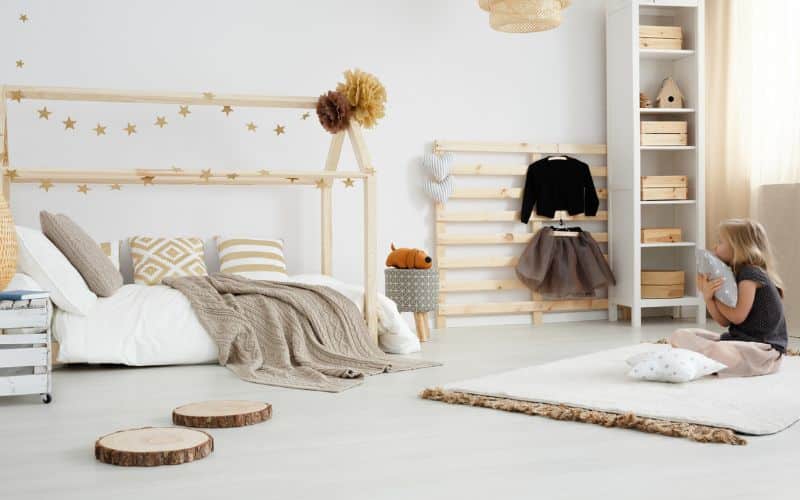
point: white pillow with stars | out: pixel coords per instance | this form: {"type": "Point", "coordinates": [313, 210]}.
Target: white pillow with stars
{"type": "Point", "coordinates": [672, 365]}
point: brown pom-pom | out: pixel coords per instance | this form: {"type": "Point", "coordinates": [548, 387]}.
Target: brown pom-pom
{"type": "Point", "coordinates": [333, 111]}
{"type": "Point", "coordinates": [366, 95]}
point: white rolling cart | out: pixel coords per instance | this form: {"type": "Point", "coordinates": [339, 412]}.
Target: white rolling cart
{"type": "Point", "coordinates": [25, 343]}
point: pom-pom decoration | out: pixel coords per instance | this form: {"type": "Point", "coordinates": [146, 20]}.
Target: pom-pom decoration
{"type": "Point", "coordinates": [366, 95]}
{"type": "Point", "coordinates": [333, 110]}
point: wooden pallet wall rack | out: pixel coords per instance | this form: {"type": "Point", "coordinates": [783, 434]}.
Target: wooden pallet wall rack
{"type": "Point", "coordinates": [450, 266]}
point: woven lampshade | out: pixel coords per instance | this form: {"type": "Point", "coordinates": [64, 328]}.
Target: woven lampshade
{"type": "Point", "coordinates": [8, 244]}
{"type": "Point", "coordinates": [524, 16]}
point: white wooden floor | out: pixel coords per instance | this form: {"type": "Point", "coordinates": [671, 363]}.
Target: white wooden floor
{"type": "Point", "coordinates": [379, 440]}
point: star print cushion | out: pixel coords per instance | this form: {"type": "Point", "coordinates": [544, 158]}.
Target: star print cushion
{"type": "Point", "coordinates": [673, 365]}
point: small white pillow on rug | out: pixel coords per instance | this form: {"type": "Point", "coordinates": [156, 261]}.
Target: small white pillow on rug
{"type": "Point", "coordinates": [673, 365]}
{"type": "Point", "coordinates": [252, 258]}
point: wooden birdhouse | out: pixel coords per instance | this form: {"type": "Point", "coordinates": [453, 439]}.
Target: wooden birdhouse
{"type": "Point", "coordinates": [670, 96]}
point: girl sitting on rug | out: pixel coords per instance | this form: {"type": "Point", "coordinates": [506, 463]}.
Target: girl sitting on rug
{"type": "Point", "coordinates": [756, 339]}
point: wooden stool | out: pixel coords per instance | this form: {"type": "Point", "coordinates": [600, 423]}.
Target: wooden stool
{"type": "Point", "coordinates": [414, 290]}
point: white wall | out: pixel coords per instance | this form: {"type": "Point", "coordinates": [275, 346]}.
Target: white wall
{"type": "Point", "coordinates": [448, 76]}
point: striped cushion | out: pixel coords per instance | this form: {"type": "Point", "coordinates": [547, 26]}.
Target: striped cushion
{"type": "Point", "coordinates": [253, 258]}
{"type": "Point", "coordinates": [157, 258]}
{"type": "Point", "coordinates": [111, 250]}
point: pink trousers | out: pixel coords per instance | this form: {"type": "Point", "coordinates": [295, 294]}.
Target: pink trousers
{"type": "Point", "coordinates": [743, 359]}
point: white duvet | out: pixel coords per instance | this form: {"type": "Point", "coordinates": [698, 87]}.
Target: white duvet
{"type": "Point", "coordinates": [155, 325]}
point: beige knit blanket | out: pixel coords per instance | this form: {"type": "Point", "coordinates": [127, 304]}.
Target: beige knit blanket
{"type": "Point", "coordinates": [287, 334]}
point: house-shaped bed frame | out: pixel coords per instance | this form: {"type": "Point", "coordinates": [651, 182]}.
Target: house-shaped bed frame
{"type": "Point", "coordinates": [322, 179]}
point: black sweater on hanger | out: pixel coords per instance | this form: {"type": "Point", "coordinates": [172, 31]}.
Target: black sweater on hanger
{"type": "Point", "coordinates": [558, 185]}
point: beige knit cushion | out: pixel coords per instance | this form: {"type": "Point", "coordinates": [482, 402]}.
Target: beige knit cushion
{"type": "Point", "coordinates": [82, 252]}
{"type": "Point", "coordinates": [253, 258]}
{"type": "Point", "coordinates": [157, 258]}
{"type": "Point", "coordinates": [111, 250]}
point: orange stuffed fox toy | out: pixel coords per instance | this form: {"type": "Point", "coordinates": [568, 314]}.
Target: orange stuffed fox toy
{"type": "Point", "coordinates": [408, 258]}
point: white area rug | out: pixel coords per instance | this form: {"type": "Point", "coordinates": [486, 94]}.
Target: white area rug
{"type": "Point", "coordinates": [598, 381]}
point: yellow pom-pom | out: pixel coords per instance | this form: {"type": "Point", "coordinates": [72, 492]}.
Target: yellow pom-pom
{"type": "Point", "coordinates": [365, 94]}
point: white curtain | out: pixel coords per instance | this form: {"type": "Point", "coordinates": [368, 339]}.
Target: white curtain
{"type": "Point", "coordinates": [753, 97]}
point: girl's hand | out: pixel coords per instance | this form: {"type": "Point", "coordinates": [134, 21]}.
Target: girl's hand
{"type": "Point", "coordinates": [708, 287]}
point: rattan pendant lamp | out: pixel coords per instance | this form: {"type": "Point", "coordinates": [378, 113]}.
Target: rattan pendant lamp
{"type": "Point", "coordinates": [523, 16]}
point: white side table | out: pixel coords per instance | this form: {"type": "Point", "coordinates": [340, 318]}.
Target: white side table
{"type": "Point", "coordinates": [25, 345]}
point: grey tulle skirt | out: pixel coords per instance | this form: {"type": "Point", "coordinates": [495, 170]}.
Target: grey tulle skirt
{"type": "Point", "coordinates": [567, 266]}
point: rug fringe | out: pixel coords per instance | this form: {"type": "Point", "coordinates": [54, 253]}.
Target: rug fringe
{"type": "Point", "coordinates": [700, 433]}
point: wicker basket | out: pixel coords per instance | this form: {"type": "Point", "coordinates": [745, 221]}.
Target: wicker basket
{"type": "Point", "coordinates": [8, 245]}
{"type": "Point", "coordinates": [525, 16]}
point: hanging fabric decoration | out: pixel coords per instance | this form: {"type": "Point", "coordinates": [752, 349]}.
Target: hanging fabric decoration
{"type": "Point", "coordinates": [366, 95]}
{"type": "Point", "coordinates": [439, 183]}
{"type": "Point", "coordinates": [333, 110]}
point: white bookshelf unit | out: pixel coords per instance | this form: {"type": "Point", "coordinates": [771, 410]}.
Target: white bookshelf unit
{"type": "Point", "coordinates": [631, 70]}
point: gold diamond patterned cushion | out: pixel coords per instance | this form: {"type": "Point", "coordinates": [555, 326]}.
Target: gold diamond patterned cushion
{"type": "Point", "coordinates": [157, 258]}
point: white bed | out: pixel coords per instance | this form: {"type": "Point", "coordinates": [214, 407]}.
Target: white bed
{"type": "Point", "coordinates": [154, 325]}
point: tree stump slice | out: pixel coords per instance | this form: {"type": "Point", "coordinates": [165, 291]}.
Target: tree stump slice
{"type": "Point", "coordinates": [223, 413]}
{"type": "Point", "coordinates": [152, 446]}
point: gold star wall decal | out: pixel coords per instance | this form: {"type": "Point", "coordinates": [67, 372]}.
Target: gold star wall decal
{"type": "Point", "coordinates": [148, 180]}
{"type": "Point", "coordinates": [205, 174]}
{"type": "Point", "coordinates": [348, 182]}
{"type": "Point", "coordinates": [100, 129]}
{"type": "Point", "coordinates": [160, 121]}
{"type": "Point", "coordinates": [16, 95]}
{"type": "Point", "coordinates": [227, 110]}
{"type": "Point", "coordinates": [320, 183]}
{"type": "Point", "coordinates": [279, 129]}
{"type": "Point", "coordinates": [83, 188]}
{"type": "Point", "coordinates": [20, 63]}
{"type": "Point", "coordinates": [44, 113]}
{"type": "Point", "coordinates": [232, 176]}
{"type": "Point", "coordinates": [184, 111]}
{"type": "Point", "coordinates": [46, 184]}
{"type": "Point", "coordinates": [11, 173]}
{"type": "Point", "coordinates": [252, 127]}
{"type": "Point", "coordinates": [263, 172]}
{"type": "Point", "coordinates": [115, 187]}
{"type": "Point", "coordinates": [305, 116]}
{"type": "Point", "coordinates": [69, 123]}
{"type": "Point", "coordinates": [293, 179]}
{"type": "Point", "coordinates": [130, 129]}
{"type": "Point", "coordinates": [24, 18]}
{"type": "Point", "coordinates": [208, 95]}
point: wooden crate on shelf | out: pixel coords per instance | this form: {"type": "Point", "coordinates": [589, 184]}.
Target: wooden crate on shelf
{"type": "Point", "coordinates": [665, 187]}
{"type": "Point", "coordinates": [664, 133]}
{"type": "Point", "coordinates": [661, 235]}
{"type": "Point", "coordinates": [660, 284]}
{"type": "Point", "coordinates": [661, 37]}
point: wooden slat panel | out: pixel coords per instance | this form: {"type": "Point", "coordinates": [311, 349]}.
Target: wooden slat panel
{"type": "Point", "coordinates": [521, 307]}
{"type": "Point", "coordinates": [481, 285]}
{"type": "Point", "coordinates": [513, 216]}
{"type": "Point", "coordinates": [500, 193]}
{"type": "Point", "coordinates": [476, 262]}
{"type": "Point", "coordinates": [518, 147]}
{"type": "Point", "coordinates": [480, 169]}
{"type": "Point", "coordinates": [498, 239]}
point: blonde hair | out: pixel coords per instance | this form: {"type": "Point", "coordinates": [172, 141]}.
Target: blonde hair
{"type": "Point", "coordinates": [748, 241]}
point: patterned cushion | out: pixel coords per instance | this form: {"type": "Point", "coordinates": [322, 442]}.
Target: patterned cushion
{"type": "Point", "coordinates": [111, 250]}
{"type": "Point", "coordinates": [253, 258]}
{"type": "Point", "coordinates": [157, 258]}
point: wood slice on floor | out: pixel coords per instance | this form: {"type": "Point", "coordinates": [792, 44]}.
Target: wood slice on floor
{"type": "Point", "coordinates": [151, 446]}
{"type": "Point", "coordinates": [222, 413]}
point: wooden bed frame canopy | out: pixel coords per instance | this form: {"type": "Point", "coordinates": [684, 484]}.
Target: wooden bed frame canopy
{"type": "Point", "coordinates": [322, 179]}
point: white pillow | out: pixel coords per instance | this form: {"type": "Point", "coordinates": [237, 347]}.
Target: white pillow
{"type": "Point", "coordinates": [710, 265]}
{"type": "Point", "coordinates": [673, 365]}
{"type": "Point", "coordinates": [42, 261]}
